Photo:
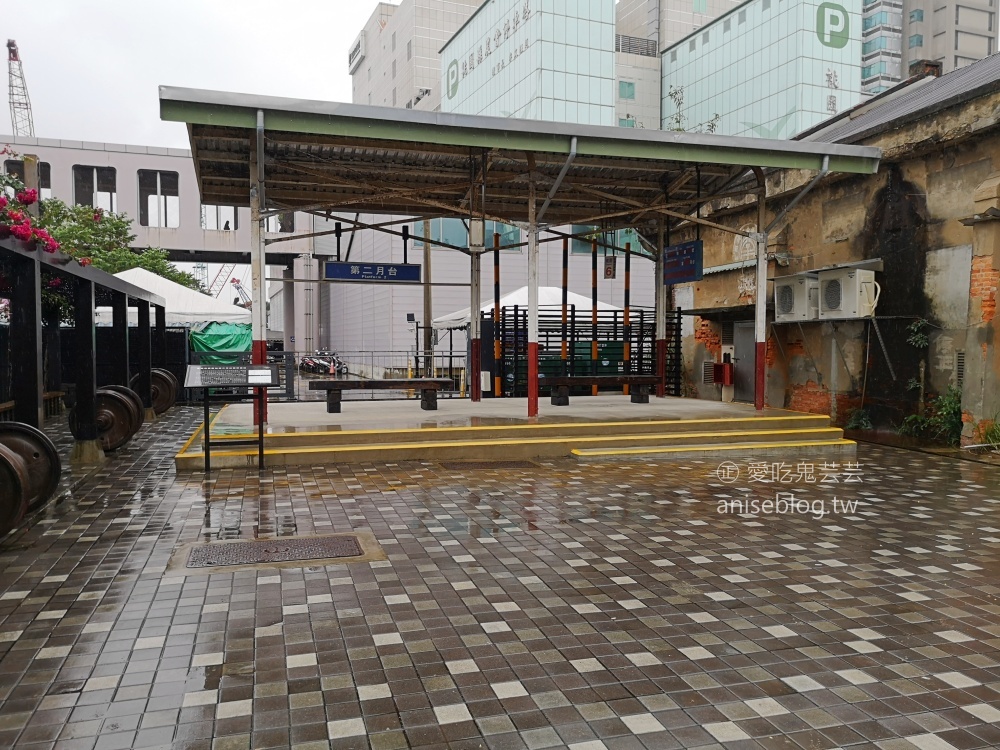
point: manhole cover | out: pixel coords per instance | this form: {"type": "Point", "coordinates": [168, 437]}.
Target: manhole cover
{"type": "Point", "coordinates": [459, 465]}
{"type": "Point", "coordinates": [272, 551]}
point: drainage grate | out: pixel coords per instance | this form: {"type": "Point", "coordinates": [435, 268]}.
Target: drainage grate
{"type": "Point", "coordinates": [272, 551]}
{"type": "Point", "coordinates": [459, 465]}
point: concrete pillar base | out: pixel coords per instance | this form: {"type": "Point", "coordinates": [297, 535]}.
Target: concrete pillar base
{"type": "Point", "coordinates": [87, 453]}
{"type": "Point", "coordinates": [150, 416]}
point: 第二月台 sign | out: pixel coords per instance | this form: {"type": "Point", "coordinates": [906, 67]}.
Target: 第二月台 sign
{"type": "Point", "coordinates": [400, 273]}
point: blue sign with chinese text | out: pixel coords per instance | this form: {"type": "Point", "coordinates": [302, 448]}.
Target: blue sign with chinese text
{"type": "Point", "coordinates": [406, 273]}
{"type": "Point", "coordinates": [682, 263]}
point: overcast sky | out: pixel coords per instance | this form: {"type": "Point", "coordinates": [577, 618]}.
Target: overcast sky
{"type": "Point", "coordinates": [93, 69]}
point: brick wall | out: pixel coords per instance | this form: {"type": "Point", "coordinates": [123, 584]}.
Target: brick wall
{"type": "Point", "coordinates": [708, 335]}
{"type": "Point", "coordinates": [984, 284]}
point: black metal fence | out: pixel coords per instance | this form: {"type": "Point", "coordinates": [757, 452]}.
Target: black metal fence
{"type": "Point", "coordinates": [580, 333]}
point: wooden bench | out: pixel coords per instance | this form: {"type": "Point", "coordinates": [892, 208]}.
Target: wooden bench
{"type": "Point", "coordinates": [428, 388]}
{"type": "Point", "coordinates": [639, 385]}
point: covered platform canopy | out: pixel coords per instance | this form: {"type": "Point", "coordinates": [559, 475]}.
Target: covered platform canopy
{"type": "Point", "coordinates": [276, 154]}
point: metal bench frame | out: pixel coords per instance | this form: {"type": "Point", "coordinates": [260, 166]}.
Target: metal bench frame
{"type": "Point", "coordinates": [428, 388]}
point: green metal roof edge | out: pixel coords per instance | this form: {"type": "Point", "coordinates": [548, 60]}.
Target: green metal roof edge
{"type": "Point", "coordinates": [515, 135]}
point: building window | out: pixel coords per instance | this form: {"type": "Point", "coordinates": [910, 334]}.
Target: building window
{"type": "Point", "coordinates": [765, 5]}
{"type": "Point", "coordinates": [394, 41]}
{"type": "Point", "coordinates": [582, 244]}
{"type": "Point", "coordinates": [879, 42]}
{"type": "Point", "coordinates": [917, 40]}
{"type": "Point", "coordinates": [283, 223]}
{"type": "Point", "coordinates": [393, 68]}
{"type": "Point", "coordinates": [727, 25]}
{"type": "Point", "coordinates": [916, 15]}
{"type": "Point", "coordinates": [394, 97]}
{"type": "Point", "coordinates": [95, 186]}
{"type": "Point", "coordinates": [409, 49]}
{"type": "Point", "coordinates": [454, 232]}
{"type": "Point", "coordinates": [159, 199]}
{"type": "Point", "coordinates": [742, 17]}
{"type": "Point", "coordinates": [626, 90]}
{"type": "Point", "coordinates": [618, 238]}
{"type": "Point", "coordinates": [218, 218]}
{"type": "Point", "coordinates": [870, 71]}
{"type": "Point", "coordinates": [15, 168]}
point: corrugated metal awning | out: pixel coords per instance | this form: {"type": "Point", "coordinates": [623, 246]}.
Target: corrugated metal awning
{"type": "Point", "coordinates": [323, 156]}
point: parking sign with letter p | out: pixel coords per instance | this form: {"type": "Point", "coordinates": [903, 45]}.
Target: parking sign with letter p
{"type": "Point", "coordinates": [833, 25]}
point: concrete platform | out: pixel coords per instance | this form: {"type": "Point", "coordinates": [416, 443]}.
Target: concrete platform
{"type": "Point", "coordinates": [591, 428]}
{"type": "Point", "coordinates": [406, 414]}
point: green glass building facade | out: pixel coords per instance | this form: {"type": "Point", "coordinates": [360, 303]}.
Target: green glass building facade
{"type": "Point", "coordinates": [767, 68]}
{"type": "Point", "coordinates": [548, 60]}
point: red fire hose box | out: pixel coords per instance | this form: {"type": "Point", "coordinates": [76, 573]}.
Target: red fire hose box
{"type": "Point", "coordinates": [722, 373]}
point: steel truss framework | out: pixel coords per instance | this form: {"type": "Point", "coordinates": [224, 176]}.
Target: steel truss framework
{"type": "Point", "coordinates": [326, 158]}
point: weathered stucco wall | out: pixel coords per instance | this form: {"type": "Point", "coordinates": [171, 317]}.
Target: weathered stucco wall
{"type": "Point", "coordinates": [913, 215]}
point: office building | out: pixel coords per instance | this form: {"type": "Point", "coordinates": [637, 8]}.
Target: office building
{"type": "Point", "coordinates": [767, 68]}
{"type": "Point", "coordinates": [897, 34]}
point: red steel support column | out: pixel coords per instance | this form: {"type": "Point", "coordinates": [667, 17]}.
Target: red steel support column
{"type": "Point", "coordinates": [660, 301]}
{"type": "Point", "coordinates": [626, 322]}
{"type": "Point", "coordinates": [593, 312]}
{"type": "Point", "coordinates": [476, 229]}
{"type": "Point", "coordinates": [476, 346]}
{"type": "Point", "coordinates": [497, 353]}
{"type": "Point", "coordinates": [258, 317]}
{"type": "Point", "coordinates": [760, 309]}
{"type": "Point", "coordinates": [565, 306]}
{"type": "Point", "coordinates": [532, 304]}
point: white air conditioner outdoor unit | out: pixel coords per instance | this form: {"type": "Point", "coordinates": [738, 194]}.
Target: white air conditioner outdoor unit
{"type": "Point", "coordinates": [796, 298]}
{"type": "Point", "coordinates": [847, 293]}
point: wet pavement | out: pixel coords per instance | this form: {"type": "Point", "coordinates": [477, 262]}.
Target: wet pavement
{"type": "Point", "coordinates": [573, 605]}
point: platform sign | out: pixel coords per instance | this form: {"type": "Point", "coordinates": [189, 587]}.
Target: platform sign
{"type": "Point", "coordinates": [683, 263]}
{"type": "Point", "coordinates": [399, 273]}
{"type": "Point", "coordinates": [231, 376]}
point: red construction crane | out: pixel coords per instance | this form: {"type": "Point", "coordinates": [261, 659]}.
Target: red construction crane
{"type": "Point", "coordinates": [20, 104]}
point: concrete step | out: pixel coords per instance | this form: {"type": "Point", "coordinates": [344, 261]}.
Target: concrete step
{"type": "Point", "coordinates": [516, 447]}
{"type": "Point", "coordinates": [506, 432]}
{"type": "Point", "coordinates": [792, 449]}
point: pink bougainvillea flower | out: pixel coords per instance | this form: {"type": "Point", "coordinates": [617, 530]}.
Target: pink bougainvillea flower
{"type": "Point", "coordinates": [27, 197]}
{"type": "Point", "coordinates": [98, 215]}
{"type": "Point", "coordinates": [16, 216]}
{"type": "Point", "coordinates": [21, 231]}
{"type": "Point", "coordinates": [84, 261]}
{"type": "Point", "coordinates": [51, 245]}
{"type": "Point", "coordinates": [3, 201]}
{"type": "Point", "coordinates": [55, 283]}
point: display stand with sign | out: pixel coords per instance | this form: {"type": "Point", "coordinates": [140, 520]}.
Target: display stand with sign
{"type": "Point", "coordinates": [256, 377]}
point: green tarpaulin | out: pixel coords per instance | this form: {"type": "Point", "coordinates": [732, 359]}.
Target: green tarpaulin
{"type": "Point", "coordinates": [222, 337]}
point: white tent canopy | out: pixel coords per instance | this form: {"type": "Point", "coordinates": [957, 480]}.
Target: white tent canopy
{"type": "Point", "coordinates": [184, 306]}
{"type": "Point", "coordinates": [549, 298]}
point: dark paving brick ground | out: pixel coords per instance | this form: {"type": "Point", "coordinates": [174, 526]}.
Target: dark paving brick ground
{"type": "Point", "coordinates": [582, 606]}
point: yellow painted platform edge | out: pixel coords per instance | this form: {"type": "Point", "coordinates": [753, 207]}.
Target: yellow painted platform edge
{"type": "Point", "coordinates": [711, 447]}
{"type": "Point", "coordinates": [547, 425]}
{"type": "Point", "coordinates": [198, 431]}
{"type": "Point", "coordinates": [523, 441]}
